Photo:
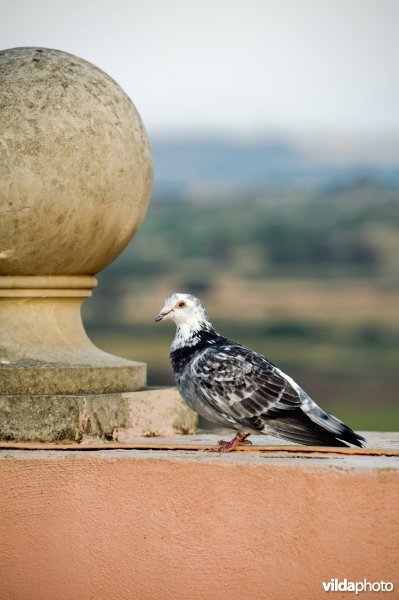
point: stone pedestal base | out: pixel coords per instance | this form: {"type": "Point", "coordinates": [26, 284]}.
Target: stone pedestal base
{"type": "Point", "coordinates": [82, 418]}
{"type": "Point", "coordinates": [44, 348]}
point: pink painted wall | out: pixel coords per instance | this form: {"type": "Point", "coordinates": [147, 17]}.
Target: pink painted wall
{"type": "Point", "coordinates": [109, 525]}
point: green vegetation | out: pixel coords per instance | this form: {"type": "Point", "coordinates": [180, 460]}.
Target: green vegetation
{"type": "Point", "coordinates": [309, 279]}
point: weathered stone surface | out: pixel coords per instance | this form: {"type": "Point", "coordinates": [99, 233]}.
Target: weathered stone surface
{"type": "Point", "coordinates": [154, 412]}
{"type": "Point", "coordinates": [75, 165]}
{"type": "Point", "coordinates": [30, 378]}
{"type": "Point", "coordinates": [75, 180]}
{"type": "Point", "coordinates": [76, 418]}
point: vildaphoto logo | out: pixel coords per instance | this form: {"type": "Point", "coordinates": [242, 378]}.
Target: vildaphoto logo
{"type": "Point", "coordinates": [344, 585]}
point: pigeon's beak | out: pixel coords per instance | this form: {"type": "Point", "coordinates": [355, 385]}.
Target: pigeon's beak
{"type": "Point", "coordinates": [162, 315]}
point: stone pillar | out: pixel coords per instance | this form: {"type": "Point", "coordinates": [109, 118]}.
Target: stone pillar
{"type": "Point", "coordinates": [75, 181]}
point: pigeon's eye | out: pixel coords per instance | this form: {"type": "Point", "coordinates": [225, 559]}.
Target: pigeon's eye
{"type": "Point", "coordinates": [181, 304]}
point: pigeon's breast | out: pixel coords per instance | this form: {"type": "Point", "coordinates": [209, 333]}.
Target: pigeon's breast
{"type": "Point", "coordinates": [182, 358]}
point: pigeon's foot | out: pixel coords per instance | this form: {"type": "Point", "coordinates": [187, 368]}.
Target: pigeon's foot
{"type": "Point", "coordinates": [238, 440]}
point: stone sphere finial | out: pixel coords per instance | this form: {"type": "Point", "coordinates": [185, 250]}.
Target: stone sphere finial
{"type": "Point", "coordinates": [75, 180]}
{"type": "Point", "coordinates": [75, 165]}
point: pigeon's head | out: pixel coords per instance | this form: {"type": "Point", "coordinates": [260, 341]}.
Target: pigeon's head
{"type": "Point", "coordinates": [183, 309]}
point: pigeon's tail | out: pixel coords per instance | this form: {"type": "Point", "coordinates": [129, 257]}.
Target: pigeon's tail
{"type": "Point", "coordinates": [300, 428]}
{"type": "Point", "coordinates": [334, 426]}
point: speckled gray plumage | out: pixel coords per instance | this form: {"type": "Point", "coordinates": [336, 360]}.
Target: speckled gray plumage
{"type": "Point", "coordinates": [235, 387]}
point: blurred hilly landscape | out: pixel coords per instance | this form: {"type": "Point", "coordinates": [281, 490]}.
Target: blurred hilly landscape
{"type": "Point", "coordinates": [294, 249]}
{"type": "Point", "coordinates": [205, 164]}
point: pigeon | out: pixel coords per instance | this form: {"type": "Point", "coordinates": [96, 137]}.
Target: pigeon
{"type": "Point", "coordinates": [238, 388]}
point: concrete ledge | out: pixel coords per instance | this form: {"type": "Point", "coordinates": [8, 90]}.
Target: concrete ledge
{"type": "Point", "coordinates": [77, 418]}
{"type": "Point", "coordinates": [190, 525]}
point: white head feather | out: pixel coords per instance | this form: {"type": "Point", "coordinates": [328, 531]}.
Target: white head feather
{"type": "Point", "coordinates": [190, 317]}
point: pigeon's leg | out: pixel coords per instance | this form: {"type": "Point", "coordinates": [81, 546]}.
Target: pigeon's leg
{"type": "Point", "coordinates": [243, 440]}
{"type": "Point", "coordinates": [240, 439]}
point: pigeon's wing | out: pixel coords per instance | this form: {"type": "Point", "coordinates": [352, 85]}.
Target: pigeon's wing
{"type": "Point", "coordinates": [252, 393]}
{"type": "Point", "coordinates": [243, 385]}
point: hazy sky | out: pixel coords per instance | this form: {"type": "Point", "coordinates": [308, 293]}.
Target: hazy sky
{"type": "Point", "coordinates": [248, 66]}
